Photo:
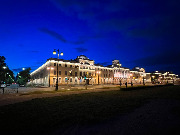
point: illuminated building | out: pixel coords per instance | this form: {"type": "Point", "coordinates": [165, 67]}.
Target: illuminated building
{"type": "Point", "coordinates": [83, 70]}
{"type": "Point", "coordinates": [78, 71]}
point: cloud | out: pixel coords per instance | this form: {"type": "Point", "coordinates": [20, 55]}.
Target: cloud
{"type": "Point", "coordinates": [82, 8]}
{"type": "Point", "coordinates": [164, 61]}
{"type": "Point", "coordinates": [60, 37]}
{"type": "Point", "coordinates": [19, 69]}
{"type": "Point", "coordinates": [164, 58]}
{"type": "Point", "coordinates": [81, 49]}
{"type": "Point", "coordinates": [124, 16]}
{"type": "Point", "coordinates": [105, 9]}
{"type": "Point", "coordinates": [53, 34]}
{"type": "Point", "coordinates": [78, 42]}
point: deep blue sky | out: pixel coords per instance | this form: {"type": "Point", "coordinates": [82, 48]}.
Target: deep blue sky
{"type": "Point", "coordinates": [137, 32]}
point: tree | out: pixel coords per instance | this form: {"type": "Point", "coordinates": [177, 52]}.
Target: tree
{"type": "Point", "coordinates": [24, 76]}
{"type": "Point", "coordinates": [6, 75]}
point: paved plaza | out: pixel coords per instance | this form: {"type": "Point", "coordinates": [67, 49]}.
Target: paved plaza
{"type": "Point", "coordinates": [14, 94]}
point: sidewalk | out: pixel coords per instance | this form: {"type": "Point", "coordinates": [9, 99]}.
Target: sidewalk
{"type": "Point", "coordinates": [29, 93]}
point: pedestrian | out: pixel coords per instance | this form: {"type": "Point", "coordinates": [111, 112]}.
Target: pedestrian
{"type": "Point", "coordinates": [126, 84]}
{"type": "Point", "coordinates": [131, 84]}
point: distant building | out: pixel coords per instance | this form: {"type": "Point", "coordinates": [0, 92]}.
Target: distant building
{"type": "Point", "coordinates": [82, 70]}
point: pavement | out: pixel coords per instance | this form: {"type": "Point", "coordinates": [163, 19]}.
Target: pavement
{"type": "Point", "coordinates": [13, 88]}
{"type": "Point", "coordinates": [158, 117]}
{"type": "Point", "coordinates": [11, 96]}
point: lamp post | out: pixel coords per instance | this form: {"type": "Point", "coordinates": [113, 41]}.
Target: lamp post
{"type": "Point", "coordinates": [4, 67]}
{"type": "Point", "coordinates": [143, 81]}
{"type": "Point", "coordinates": [54, 52]}
{"type": "Point", "coordinates": [119, 74]}
{"type": "Point", "coordinates": [98, 72]}
{"type": "Point", "coordinates": [153, 78]}
{"type": "Point", "coordinates": [68, 78]}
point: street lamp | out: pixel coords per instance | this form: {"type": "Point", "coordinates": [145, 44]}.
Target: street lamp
{"type": "Point", "coordinates": [143, 81]}
{"type": "Point", "coordinates": [4, 67]}
{"type": "Point", "coordinates": [54, 52]}
{"type": "Point", "coordinates": [98, 72]}
{"type": "Point", "coordinates": [49, 68]}
{"type": "Point", "coordinates": [153, 77]}
{"type": "Point", "coordinates": [119, 74]}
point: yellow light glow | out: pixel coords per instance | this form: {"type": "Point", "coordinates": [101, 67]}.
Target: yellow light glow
{"type": "Point", "coordinates": [48, 68]}
{"type": "Point", "coordinates": [54, 52]}
{"type": "Point", "coordinates": [61, 54]}
{"type": "Point", "coordinates": [98, 72]}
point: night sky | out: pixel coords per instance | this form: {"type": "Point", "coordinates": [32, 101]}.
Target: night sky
{"type": "Point", "coordinates": [137, 32]}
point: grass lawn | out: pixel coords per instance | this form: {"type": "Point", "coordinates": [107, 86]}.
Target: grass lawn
{"type": "Point", "coordinates": [48, 114]}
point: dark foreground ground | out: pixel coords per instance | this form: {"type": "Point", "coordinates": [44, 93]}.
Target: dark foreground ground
{"type": "Point", "coordinates": [147, 111]}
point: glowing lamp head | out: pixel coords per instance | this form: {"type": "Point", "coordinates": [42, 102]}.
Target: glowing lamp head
{"type": "Point", "coordinates": [131, 74]}
{"type": "Point", "coordinates": [61, 54]}
{"type": "Point", "coordinates": [4, 67]}
{"type": "Point", "coordinates": [54, 52]}
{"type": "Point", "coordinates": [23, 68]}
{"type": "Point", "coordinates": [48, 68]}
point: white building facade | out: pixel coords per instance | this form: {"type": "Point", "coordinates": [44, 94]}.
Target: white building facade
{"type": "Point", "coordinates": [83, 70]}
